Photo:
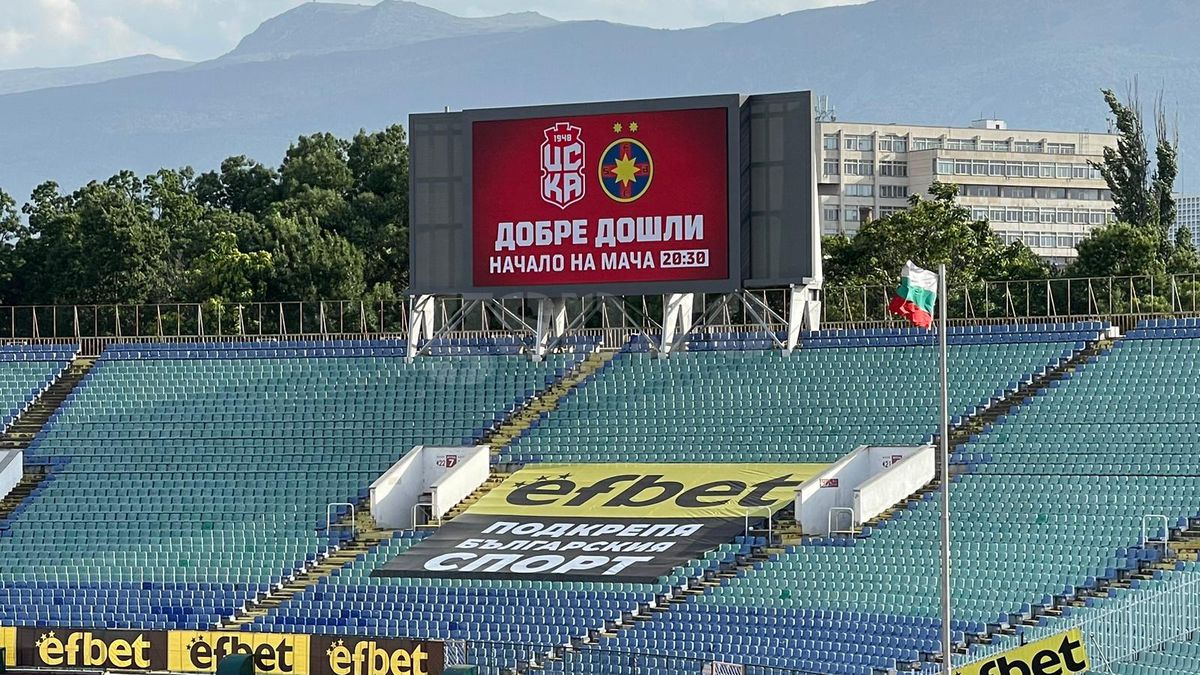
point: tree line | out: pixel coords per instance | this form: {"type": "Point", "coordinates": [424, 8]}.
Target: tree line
{"type": "Point", "coordinates": [330, 222]}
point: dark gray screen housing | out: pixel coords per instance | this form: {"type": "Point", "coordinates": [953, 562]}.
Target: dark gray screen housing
{"type": "Point", "coordinates": [772, 188]}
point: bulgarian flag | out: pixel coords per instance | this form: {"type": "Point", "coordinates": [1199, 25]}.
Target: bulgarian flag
{"type": "Point", "coordinates": [916, 296]}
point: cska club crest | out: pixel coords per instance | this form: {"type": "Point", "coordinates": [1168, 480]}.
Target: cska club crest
{"type": "Point", "coordinates": [562, 165]}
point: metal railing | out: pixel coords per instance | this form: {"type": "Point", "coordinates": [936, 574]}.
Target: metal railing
{"type": "Point", "coordinates": [1133, 623]}
{"type": "Point", "coordinates": [1122, 300]}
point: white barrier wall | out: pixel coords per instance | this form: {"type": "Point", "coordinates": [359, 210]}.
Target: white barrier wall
{"type": "Point", "coordinates": [400, 488]}
{"type": "Point", "coordinates": [901, 478]}
{"type": "Point", "coordinates": [460, 479]}
{"type": "Point", "coordinates": [836, 488]}
{"type": "Point", "coordinates": [829, 489]}
{"type": "Point", "coordinates": [12, 467]}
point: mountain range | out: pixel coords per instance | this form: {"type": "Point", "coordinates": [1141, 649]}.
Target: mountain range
{"type": "Point", "coordinates": [339, 68]}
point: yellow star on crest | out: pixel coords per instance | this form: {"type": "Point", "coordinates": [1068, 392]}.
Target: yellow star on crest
{"type": "Point", "coordinates": [633, 126]}
{"type": "Point", "coordinates": [617, 128]}
{"type": "Point", "coordinates": [626, 170]}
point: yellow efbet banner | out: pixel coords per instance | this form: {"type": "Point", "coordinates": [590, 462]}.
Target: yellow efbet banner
{"type": "Point", "coordinates": [8, 640]}
{"type": "Point", "coordinates": [273, 653]}
{"type": "Point", "coordinates": [629, 491]}
{"type": "Point", "coordinates": [1061, 654]}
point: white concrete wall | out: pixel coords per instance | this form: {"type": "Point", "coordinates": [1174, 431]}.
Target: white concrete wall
{"type": "Point", "coordinates": [895, 483]}
{"type": "Point", "coordinates": [813, 501]}
{"type": "Point", "coordinates": [12, 467]}
{"type": "Point", "coordinates": [395, 492]}
{"type": "Point", "coordinates": [838, 486]}
{"type": "Point", "coordinates": [451, 471]}
{"type": "Point", "coordinates": [468, 473]}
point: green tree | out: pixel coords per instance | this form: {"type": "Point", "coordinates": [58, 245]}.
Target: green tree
{"type": "Point", "coordinates": [101, 244]}
{"type": "Point", "coordinates": [312, 264]}
{"type": "Point", "coordinates": [226, 275]}
{"type": "Point", "coordinates": [242, 186]}
{"type": "Point", "coordinates": [379, 164]}
{"type": "Point", "coordinates": [12, 232]}
{"type": "Point", "coordinates": [1141, 197]}
{"type": "Point", "coordinates": [930, 232]}
{"type": "Point", "coordinates": [318, 161]}
{"type": "Point", "coordinates": [1117, 249]}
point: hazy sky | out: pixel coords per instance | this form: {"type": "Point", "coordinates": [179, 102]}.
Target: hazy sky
{"type": "Point", "coordinates": [50, 33]}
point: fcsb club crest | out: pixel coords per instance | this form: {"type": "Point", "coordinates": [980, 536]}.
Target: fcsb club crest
{"type": "Point", "coordinates": [562, 165]}
{"type": "Point", "coordinates": [626, 167]}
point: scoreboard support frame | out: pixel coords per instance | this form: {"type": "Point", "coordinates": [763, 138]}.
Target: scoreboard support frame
{"type": "Point", "coordinates": [446, 316]}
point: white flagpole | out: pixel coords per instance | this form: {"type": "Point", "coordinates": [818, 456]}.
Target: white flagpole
{"type": "Point", "coordinates": [944, 463]}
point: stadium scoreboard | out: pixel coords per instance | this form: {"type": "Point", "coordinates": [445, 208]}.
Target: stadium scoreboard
{"type": "Point", "coordinates": [698, 194]}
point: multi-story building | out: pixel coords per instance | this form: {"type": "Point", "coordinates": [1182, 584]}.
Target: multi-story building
{"type": "Point", "coordinates": [1188, 215]}
{"type": "Point", "coordinates": [1033, 186]}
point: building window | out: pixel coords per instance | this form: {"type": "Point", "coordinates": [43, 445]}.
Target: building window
{"type": "Point", "coordinates": [831, 142]}
{"type": "Point", "coordinates": [1060, 148]}
{"type": "Point", "coordinates": [830, 167]}
{"type": "Point", "coordinates": [1016, 192]}
{"type": "Point", "coordinates": [1050, 193]}
{"type": "Point", "coordinates": [893, 191]}
{"type": "Point", "coordinates": [962, 167]}
{"type": "Point", "coordinates": [1046, 216]}
{"type": "Point", "coordinates": [994, 146]}
{"type": "Point", "coordinates": [1062, 170]}
{"type": "Point", "coordinates": [981, 190]}
{"type": "Point", "coordinates": [853, 214]}
{"type": "Point", "coordinates": [859, 190]}
{"type": "Point", "coordinates": [1079, 171]}
{"type": "Point", "coordinates": [860, 143]}
{"type": "Point", "coordinates": [858, 167]}
{"type": "Point", "coordinates": [979, 214]}
{"type": "Point", "coordinates": [996, 168]}
{"type": "Point", "coordinates": [1046, 170]}
{"type": "Point", "coordinates": [1027, 146]}
{"type": "Point", "coordinates": [1046, 240]}
{"type": "Point", "coordinates": [893, 144]}
{"type": "Point", "coordinates": [1096, 217]}
{"type": "Point", "coordinates": [943, 167]}
{"type": "Point", "coordinates": [926, 143]}
{"type": "Point", "coordinates": [996, 215]}
{"type": "Point", "coordinates": [960, 144]}
{"type": "Point", "coordinates": [1029, 215]}
{"type": "Point", "coordinates": [832, 213]}
{"type": "Point", "coordinates": [885, 211]}
{"type": "Point", "coordinates": [896, 169]}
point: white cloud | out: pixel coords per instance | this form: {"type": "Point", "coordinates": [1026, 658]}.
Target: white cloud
{"type": "Point", "coordinates": [12, 41]}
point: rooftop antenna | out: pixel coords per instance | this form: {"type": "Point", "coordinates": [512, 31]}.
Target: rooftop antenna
{"type": "Point", "coordinates": [824, 110]}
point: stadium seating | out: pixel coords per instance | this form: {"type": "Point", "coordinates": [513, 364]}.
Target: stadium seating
{"type": "Point", "coordinates": [503, 620]}
{"type": "Point", "coordinates": [190, 477]}
{"type": "Point", "coordinates": [257, 438]}
{"type": "Point", "coordinates": [1175, 658]}
{"type": "Point", "coordinates": [25, 370]}
{"type": "Point", "coordinates": [814, 405]}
